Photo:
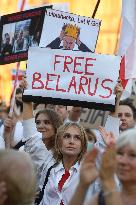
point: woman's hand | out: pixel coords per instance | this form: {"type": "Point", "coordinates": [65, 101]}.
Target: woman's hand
{"type": "Point", "coordinates": [108, 166]}
{"type": "Point", "coordinates": [88, 172]}
{"type": "Point", "coordinates": [108, 137]}
{"type": "Point", "coordinates": [3, 194]}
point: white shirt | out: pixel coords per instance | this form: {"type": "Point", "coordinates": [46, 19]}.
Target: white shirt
{"type": "Point", "coordinates": [43, 159]}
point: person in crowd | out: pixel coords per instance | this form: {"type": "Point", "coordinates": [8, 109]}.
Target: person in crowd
{"type": "Point", "coordinates": [69, 36]}
{"type": "Point", "coordinates": [127, 115]}
{"type": "Point", "coordinates": [17, 178]}
{"type": "Point", "coordinates": [74, 114]}
{"type": "Point", "coordinates": [70, 145]}
{"type": "Point", "coordinates": [47, 121]}
{"type": "Point", "coordinates": [7, 47]}
{"type": "Point", "coordinates": [12, 130]}
{"type": "Point", "coordinates": [120, 160]}
{"type": "Point", "coordinates": [37, 107]}
{"type": "Point", "coordinates": [62, 111]}
{"type": "Point", "coordinates": [44, 158]}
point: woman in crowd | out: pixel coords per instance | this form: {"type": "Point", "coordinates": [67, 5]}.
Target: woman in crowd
{"type": "Point", "coordinates": [70, 146]}
{"type": "Point", "coordinates": [120, 160]}
{"type": "Point", "coordinates": [47, 121]}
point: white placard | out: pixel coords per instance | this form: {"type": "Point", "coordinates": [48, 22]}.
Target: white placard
{"type": "Point", "coordinates": [82, 76]}
{"type": "Point", "coordinates": [56, 22]}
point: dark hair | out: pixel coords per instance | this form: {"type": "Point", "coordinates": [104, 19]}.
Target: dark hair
{"type": "Point", "coordinates": [19, 90]}
{"type": "Point", "coordinates": [53, 116]}
{"type": "Point", "coordinates": [129, 102]}
{"type": "Point", "coordinates": [36, 104]}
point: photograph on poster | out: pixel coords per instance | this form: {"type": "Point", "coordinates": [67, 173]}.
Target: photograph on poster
{"type": "Point", "coordinates": [18, 32]}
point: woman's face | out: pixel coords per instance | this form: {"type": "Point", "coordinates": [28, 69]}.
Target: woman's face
{"type": "Point", "coordinates": [45, 126]}
{"type": "Point", "coordinates": [126, 164]}
{"type": "Point", "coordinates": [71, 142]}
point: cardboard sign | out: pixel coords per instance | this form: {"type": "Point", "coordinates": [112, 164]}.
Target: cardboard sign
{"type": "Point", "coordinates": [73, 78]}
{"type": "Point", "coordinates": [62, 30]}
{"type": "Point", "coordinates": [93, 118]}
{"type": "Point", "coordinates": [18, 31]}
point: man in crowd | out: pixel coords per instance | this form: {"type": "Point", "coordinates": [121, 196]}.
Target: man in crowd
{"type": "Point", "coordinates": [17, 178]}
{"type": "Point", "coordinates": [127, 115]}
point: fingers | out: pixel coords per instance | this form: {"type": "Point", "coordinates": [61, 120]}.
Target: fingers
{"type": "Point", "coordinates": [23, 83]}
{"type": "Point", "coordinates": [3, 191]}
{"type": "Point", "coordinates": [8, 122]}
{"type": "Point", "coordinates": [91, 155]}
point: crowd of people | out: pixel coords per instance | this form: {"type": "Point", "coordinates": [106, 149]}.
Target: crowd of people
{"type": "Point", "coordinates": [48, 157]}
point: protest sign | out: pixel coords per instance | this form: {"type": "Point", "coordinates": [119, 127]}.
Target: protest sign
{"type": "Point", "coordinates": [93, 118]}
{"type": "Point", "coordinates": [73, 78]}
{"type": "Point", "coordinates": [62, 30]}
{"type": "Point", "coordinates": [18, 31]}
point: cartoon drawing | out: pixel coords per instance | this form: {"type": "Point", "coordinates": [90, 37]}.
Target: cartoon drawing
{"type": "Point", "coordinates": [69, 36]}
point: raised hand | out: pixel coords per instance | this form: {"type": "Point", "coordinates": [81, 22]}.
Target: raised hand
{"type": "Point", "coordinates": [9, 124]}
{"type": "Point", "coordinates": [89, 172]}
{"type": "Point", "coordinates": [108, 164]}
{"type": "Point", "coordinates": [118, 90]}
{"type": "Point", "coordinates": [108, 137]}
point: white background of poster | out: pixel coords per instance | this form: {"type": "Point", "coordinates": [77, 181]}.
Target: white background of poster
{"type": "Point", "coordinates": [41, 60]}
{"type": "Point", "coordinates": [52, 28]}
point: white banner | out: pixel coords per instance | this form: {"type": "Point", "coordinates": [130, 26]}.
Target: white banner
{"type": "Point", "coordinates": [74, 76]}
{"type": "Point", "coordinates": [62, 30]}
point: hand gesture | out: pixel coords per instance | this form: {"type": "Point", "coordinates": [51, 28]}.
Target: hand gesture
{"type": "Point", "coordinates": [62, 34]}
{"type": "Point", "coordinates": [9, 124]}
{"type": "Point", "coordinates": [88, 172]}
{"type": "Point", "coordinates": [23, 83]}
{"type": "Point", "coordinates": [118, 90]}
{"type": "Point", "coordinates": [108, 137]}
{"type": "Point", "coordinates": [108, 165]}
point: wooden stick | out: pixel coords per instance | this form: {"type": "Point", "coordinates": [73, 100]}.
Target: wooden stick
{"type": "Point", "coordinates": [96, 8]}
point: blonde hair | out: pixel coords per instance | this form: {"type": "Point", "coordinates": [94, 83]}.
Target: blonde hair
{"type": "Point", "coordinates": [60, 132]}
{"type": "Point", "coordinates": [127, 137]}
{"type": "Point", "coordinates": [71, 30]}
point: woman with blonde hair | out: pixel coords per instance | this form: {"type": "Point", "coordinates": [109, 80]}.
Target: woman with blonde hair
{"type": "Point", "coordinates": [61, 164]}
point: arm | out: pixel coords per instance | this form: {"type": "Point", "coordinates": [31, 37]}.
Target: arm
{"type": "Point", "coordinates": [8, 132]}
{"type": "Point", "coordinates": [54, 44]}
{"type": "Point", "coordinates": [82, 46]}
{"type": "Point", "coordinates": [34, 144]}
{"type": "Point", "coordinates": [118, 90]}
{"type": "Point", "coordinates": [107, 172]}
{"type": "Point", "coordinates": [88, 174]}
